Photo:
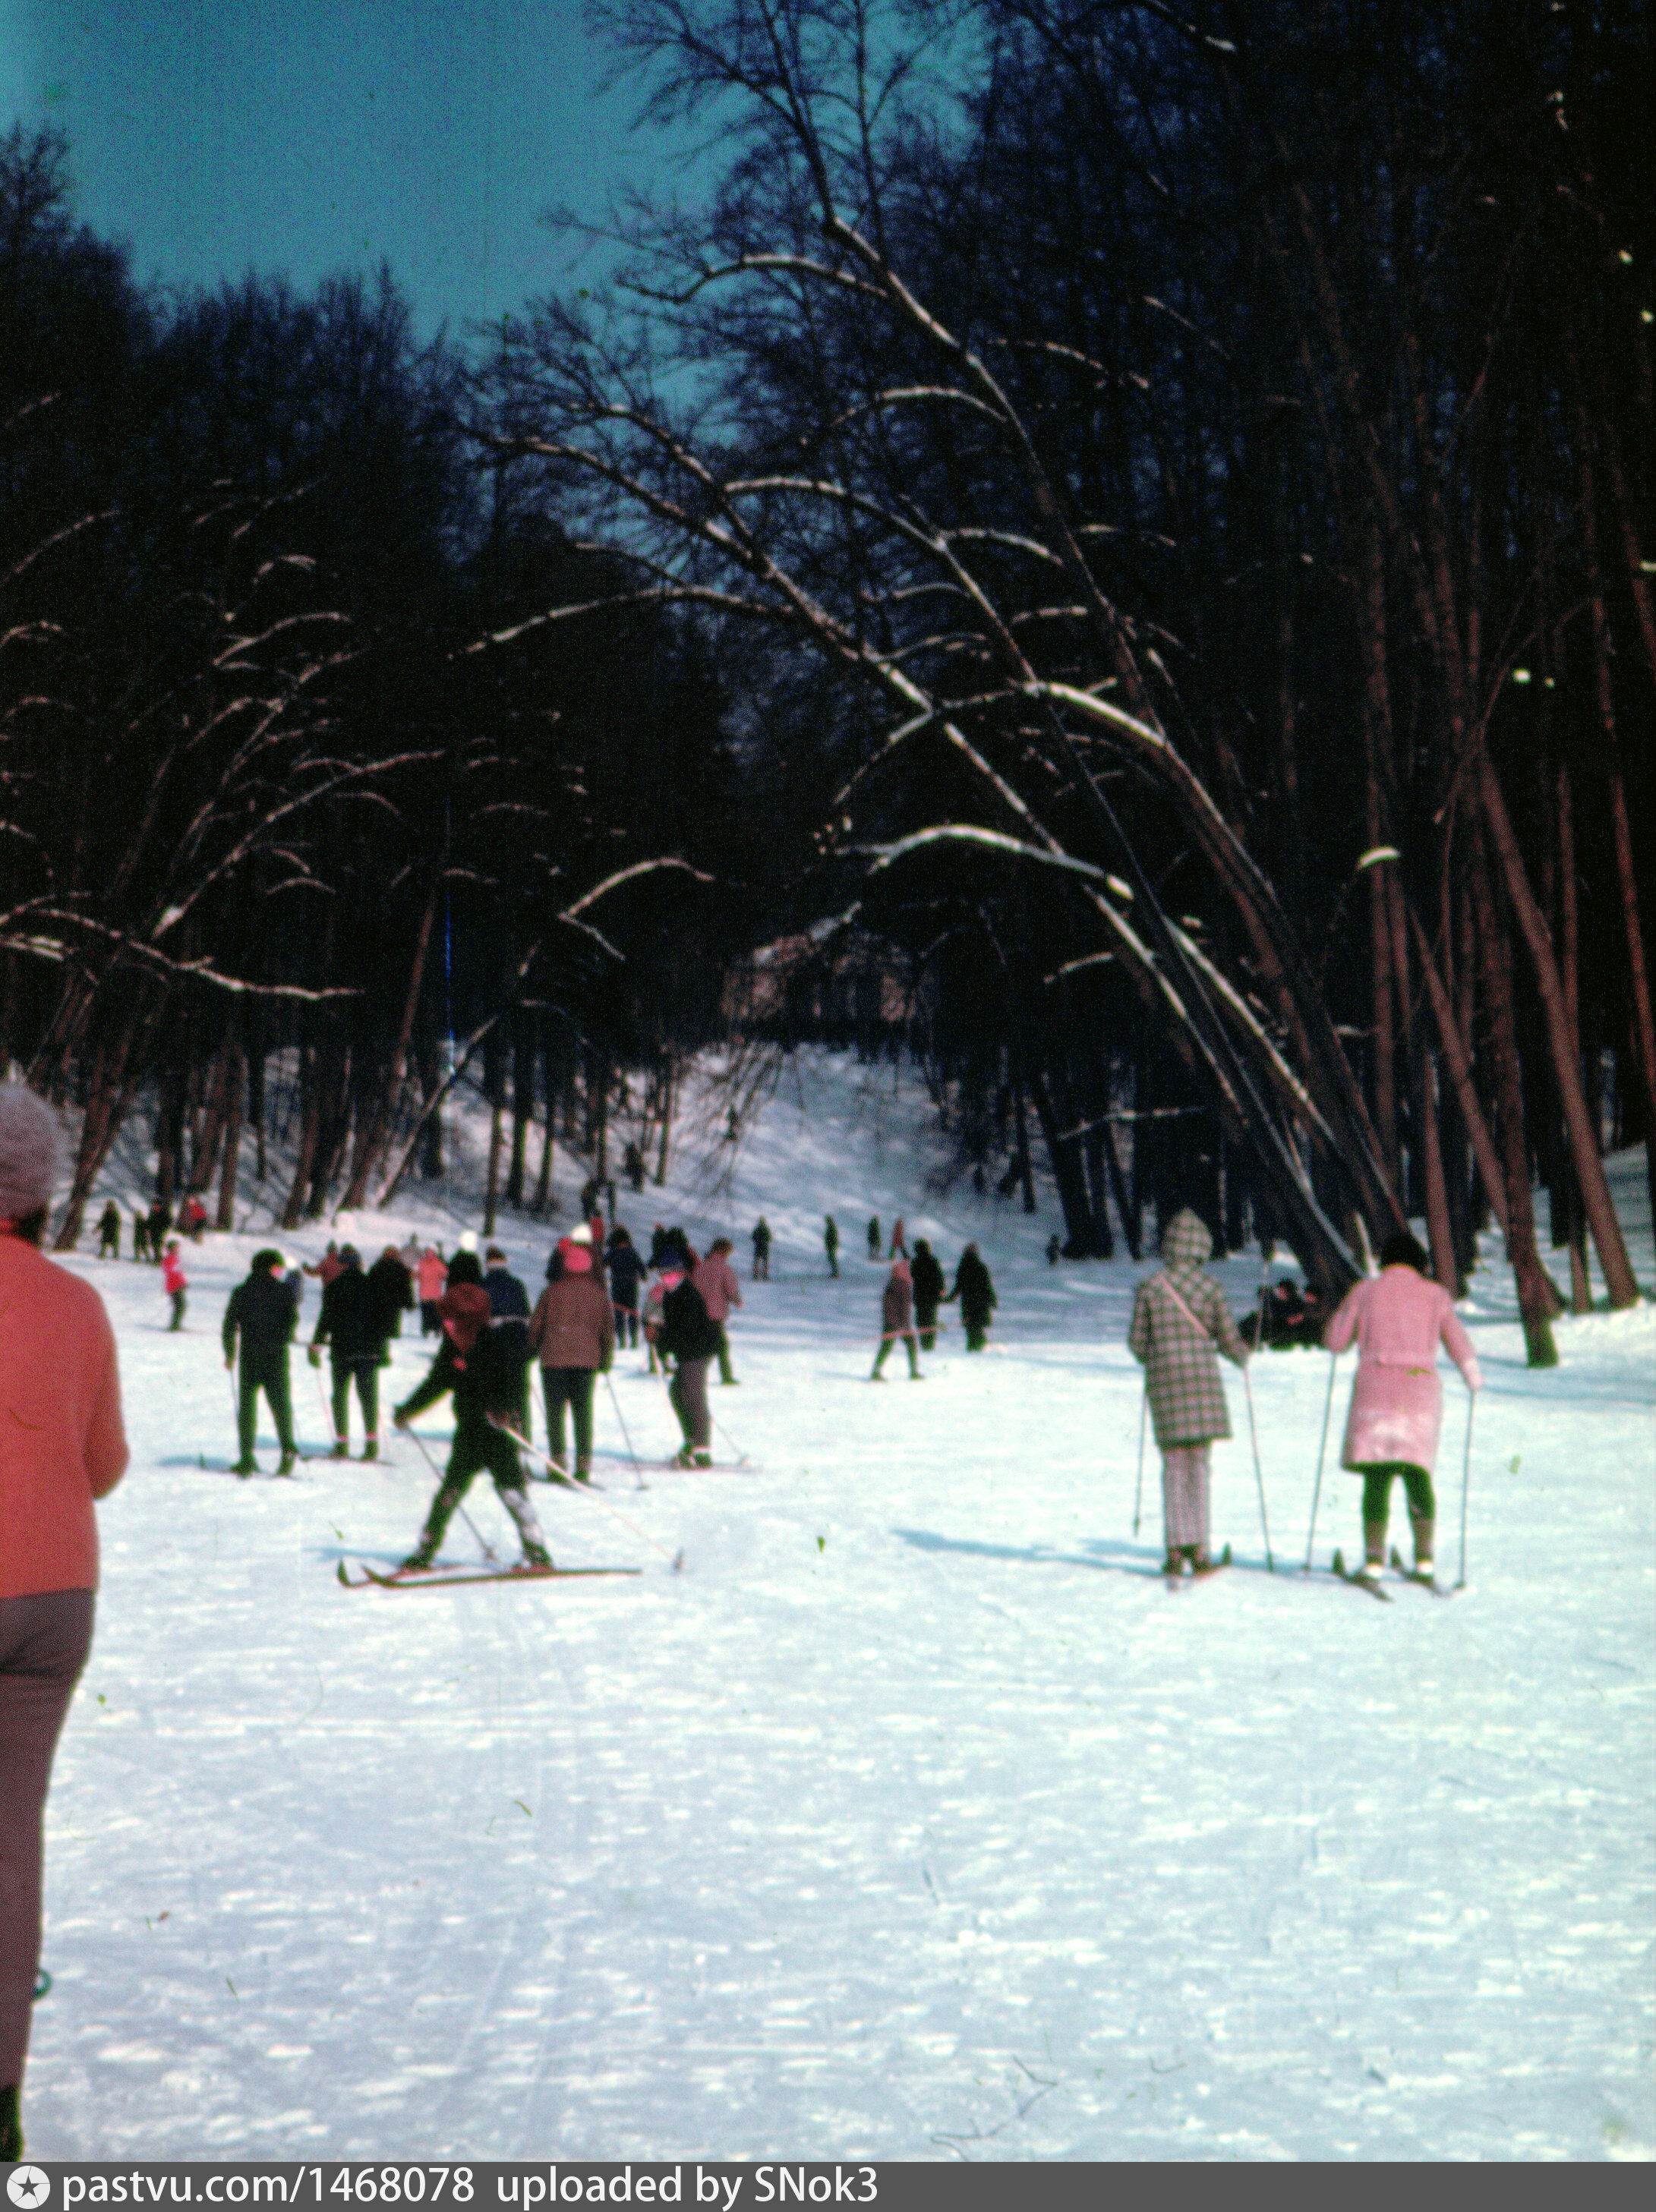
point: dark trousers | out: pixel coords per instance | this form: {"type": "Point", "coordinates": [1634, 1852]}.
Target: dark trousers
{"type": "Point", "coordinates": [365, 1373]}
{"type": "Point", "coordinates": [177, 1321]}
{"type": "Point", "coordinates": [44, 1641]}
{"type": "Point", "coordinates": [270, 1376]}
{"type": "Point", "coordinates": [977, 1328]}
{"type": "Point", "coordinates": [925, 1320]}
{"type": "Point", "coordinates": [477, 1447]}
{"type": "Point", "coordinates": [688, 1391]}
{"type": "Point", "coordinates": [832, 1251]}
{"type": "Point", "coordinates": [626, 1326]}
{"type": "Point", "coordinates": [1377, 1493]}
{"type": "Point", "coordinates": [886, 1342]}
{"type": "Point", "coordinates": [570, 1386]}
{"type": "Point", "coordinates": [725, 1375]}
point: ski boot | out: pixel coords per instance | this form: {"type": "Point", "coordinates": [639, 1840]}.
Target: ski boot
{"type": "Point", "coordinates": [371, 1448]}
{"type": "Point", "coordinates": [341, 1448]}
{"type": "Point", "coordinates": [702, 1459]}
{"type": "Point", "coordinates": [418, 1562]}
{"type": "Point", "coordinates": [288, 1461]}
{"type": "Point", "coordinates": [245, 1467]}
{"type": "Point", "coordinates": [536, 1559]}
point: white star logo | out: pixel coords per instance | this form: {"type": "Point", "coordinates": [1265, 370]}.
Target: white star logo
{"type": "Point", "coordinates": [28, 2186]}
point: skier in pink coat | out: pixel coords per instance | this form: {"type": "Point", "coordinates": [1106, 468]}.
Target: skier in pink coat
{"type": "Point", "coordinates": [1399, 1318]}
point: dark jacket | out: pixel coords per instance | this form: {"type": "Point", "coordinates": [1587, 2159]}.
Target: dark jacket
{"type": "Point", "coordinates": [350, 1321]}
{"type": "Point", "coordinates": [394, 1292]}
{"type": "Point", "coordinates": [974, 1289]}
{"type": "Point", "coordinates": [686, 1331]}
{"type": "Point", "coordinates": [927, 1284]}
{"type": "Point", "coordinates": [626, 1270]}
{"type": "Point", "coordinates": [488, 1380]}
{"type": "Point", "coordinates": [263, 1312]}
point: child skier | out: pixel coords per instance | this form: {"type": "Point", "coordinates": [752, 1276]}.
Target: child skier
{"type": "Point", "coordinates": [1177, 1316]}
{"type": "Point", "coordinates": [1398, 1317]}
{"type": "Point", "coordinates": [897, 1320]}
{"type": "Point", "coordinates": [174, 1282]}
{"type": "Point", "coordinates": [470, 1365]}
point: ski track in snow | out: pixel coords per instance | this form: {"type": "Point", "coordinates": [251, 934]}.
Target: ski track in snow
{"type": "Point", "coordinates": [915, 1818]}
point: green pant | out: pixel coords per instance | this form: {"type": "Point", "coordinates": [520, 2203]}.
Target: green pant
{"type": "Point", "coordinates": [270, 1376]}
{"type": "Point", "coordinates": [366, 1375]}
{"type": "Point", "coordinates": [478, 1446]}
{"type": "Point", "coordinates": [1377, 1492]}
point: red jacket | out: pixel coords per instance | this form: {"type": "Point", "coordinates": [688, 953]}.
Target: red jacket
{"type": "Point", "coordinates": [172, 1276]}
{"type": "Point", "coordinates": [65, 1444]}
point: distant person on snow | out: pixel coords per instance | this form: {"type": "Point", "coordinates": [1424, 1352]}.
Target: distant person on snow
{"type": "Point", "coordinates": [431, 1279]}
{"type": "Point", "coordinates": [393, 1294]}
{"type": "Point", "coordinates": [174, 1282]}
{"type": "Point", "coordinates": [352, 1325]}
{"type": "Point", "coordinates": [260, 1321]}
{"type": "Point", "coordinates": [160, 1220]}
{"type": "Point", "coordinates": [64, 1447]}
{"type": "Point", "coordinates": [109, 1232]}
{"type": "Point", "coordinates": [830, 1243]}
{"type": "Point", "coordinates": [874, 1236]}
{"type": "Point", "coordinates": [927, 1278]}
{"type": "Point", "coordinates": [626, 1272]}
{"type": "Point", "coordinates": [715, 1279]}
{"type": "Point", "coordinates": [690, 1339]}
{"type": "Point", "coordinates": [140, 1234]}
{"type": "Point", "coordinates": [469, 1364]}
{"type": "Point", "coordinates": [1398, 1317]}
{"type": "Point", "coordinates": [329, 1265]}
{"type": "Point", "coordinates": [572, 1334]}
{"type": "Point", "coordinates": [762, 1250]}
{"type": "Point", "coordinates": [976, 1295]}
{"type": "Point", "coordinates": [1178, 1315]}
{"type": "Point", "coordinates": [1054, 1250]}
{"type": "Point", "coordinates": [897, 1320]}
{"type": "Point", "coordinates": [898, 1242]}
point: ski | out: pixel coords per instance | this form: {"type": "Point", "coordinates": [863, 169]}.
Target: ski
{"type": "Point", "coordinates": [1360, 1582]}
{"type": "Point", "coordinates": [445, 1578]}
{"type": "Point", "coordinates": [1198, 1574]}
{"type": "Point", "coordinates": [1428, 1583]}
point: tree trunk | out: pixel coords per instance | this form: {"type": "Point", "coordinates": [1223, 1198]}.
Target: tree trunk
{"type": "Point", "coordinates": [374, 1130]}
{"type": "Point", "coordinates": [310, 1131]}
{"type": "Point", "coordinates": [235, 1088]}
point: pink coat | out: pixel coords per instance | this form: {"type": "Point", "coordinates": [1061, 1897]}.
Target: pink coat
{"type": "Point", "coordinates": [715, 1279]}
{"type": "Point", "coordinates": [433, 1278]}
{"type": "Point", "coordinates": [65, 1444]}
{"type": "Point", "coordinates": [1398, 1319]}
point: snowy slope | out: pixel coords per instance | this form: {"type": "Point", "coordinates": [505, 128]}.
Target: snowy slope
{"type": "Point", "coordinates": [915, 1817]}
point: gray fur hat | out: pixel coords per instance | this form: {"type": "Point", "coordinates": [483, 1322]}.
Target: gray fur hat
{"type": "Point", "coordinates": [31, 1146]}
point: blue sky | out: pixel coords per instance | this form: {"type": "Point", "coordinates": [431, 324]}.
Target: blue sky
{"type": "Point", "coordinates": [307, 136]}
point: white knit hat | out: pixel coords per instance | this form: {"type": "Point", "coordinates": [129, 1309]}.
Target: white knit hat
{"type": "Point", "coordinates": [581, 1235]}
{"type": "Point", "coordinates": [31, 1146]}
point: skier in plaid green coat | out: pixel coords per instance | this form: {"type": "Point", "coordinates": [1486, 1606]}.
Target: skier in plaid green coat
{"type": "Point", "coordinates": [1178, 1317]}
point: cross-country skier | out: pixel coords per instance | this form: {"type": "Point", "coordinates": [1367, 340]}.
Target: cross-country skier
{"type": "Point", "coordinates": [874, 1235]}
{"type": "Point", "coordinates": [64, 1447]}
{"type": "Point", "coordinates": [572, 1334]}
{"type": "Point", "coordinates": [509, 1303]}
{"type": "Point", "coordinates": [261, 1318]}
{"type": "Point", "coordinates": [927, 1293]}
{"type": "Point", "coordinates": [1178, 1317]}
{"type": "Point", "coordinates": [762, 1250]}
{"type": "Point", "coordinates": [109, 1232]}
{"type": "Point", "coordinates": [1399, 1318]}
{"type": "Point", "coordinates": [352, 1325]}
{"type": "Point", "coordinates": [173, 1281]}
{"type": "Point", "coordinates": [831, 1243]}
{"type": "Point", "coordinates": [431, 1276]}
{"type": "Point", "coordinates": [393, 1292]}
{"type": "Point", "coordinates": [976, 1295]}
{"type": "Point", "coordinates": [715, 1279]}
{"type": "Point", "coordinates": [690, 1339]}
{"type": "Point", "coordinates": [626, 1270]}
{"type": "Point", "coordinates": [897, 1320]}
{"type": "Point", "coordinates": [469, 1364]}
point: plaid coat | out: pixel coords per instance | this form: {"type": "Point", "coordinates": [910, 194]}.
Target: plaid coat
{"type": "Point", "coordinates": [1187, 1399]}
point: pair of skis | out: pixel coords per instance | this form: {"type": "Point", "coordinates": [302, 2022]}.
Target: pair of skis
{"type": "Point", "coordinates": [1373, 1585]}
{"type": "Point", "coordinates": [455, 1578]}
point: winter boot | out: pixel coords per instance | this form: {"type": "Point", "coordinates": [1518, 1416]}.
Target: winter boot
{"type": "Point", "coordinates": [287, 1462]}
{"type": "Point", "coordinates": [583, 1470]}
{"type": "Point", "coordinates": [371, 1448]}
{"type": "Point", "coordinates": [245, 1467]}
{"type": "Point", "coordinates": [341, 1448]}
{"type": "Point", "coordinates": [515, 1498]}
{"type": "Point", "coordinates": [11, 2130]}
{"type": "Point", "coordinates": [703, 1459]}
{"type": "Point", "coordinates": [537, 1557]}
{"type": "Point", "coordinates": [418, 1560]}
{"type": "Point", "coordinates": [1373, 1549]}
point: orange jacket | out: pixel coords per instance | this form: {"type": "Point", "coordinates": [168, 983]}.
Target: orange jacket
{"type": "Point", "coordinates": [62, 1444]}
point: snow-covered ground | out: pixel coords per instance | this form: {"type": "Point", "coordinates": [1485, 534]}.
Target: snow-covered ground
{"type": "Point", "coordinates": [915, 1816]}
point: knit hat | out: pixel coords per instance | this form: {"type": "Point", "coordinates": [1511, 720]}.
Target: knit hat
{"type": "Point", "coordinates": [463, 1312]}
{"type": "Point", "coordinates": [581, 1235]}
{"type": "Point", "coordinates": [577, 1251]}
{"type": "Point", "coordinates": [31, 1144]}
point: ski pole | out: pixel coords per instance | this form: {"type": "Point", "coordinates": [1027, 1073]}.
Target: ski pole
{"type": "Point", "coordinates": [322, 1400]}
{"type": "Point", "coordinates": [1317, 1491]}
{"type": "Point", "coordinates": [1466, 1478]}
{"type": "Point", "coordinates": [741, 1456]}
{"type": "Point", "coordinates": [488, 1549]}
{"type": "Point", "coordinates": [638, 1473]}
{"type": "Point", "coordinates": [597, 1496]}
{"type": "Point", "coordinates": [1138, 1487]}
{"type": "Point", "coordinates": [1258, 1472]}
